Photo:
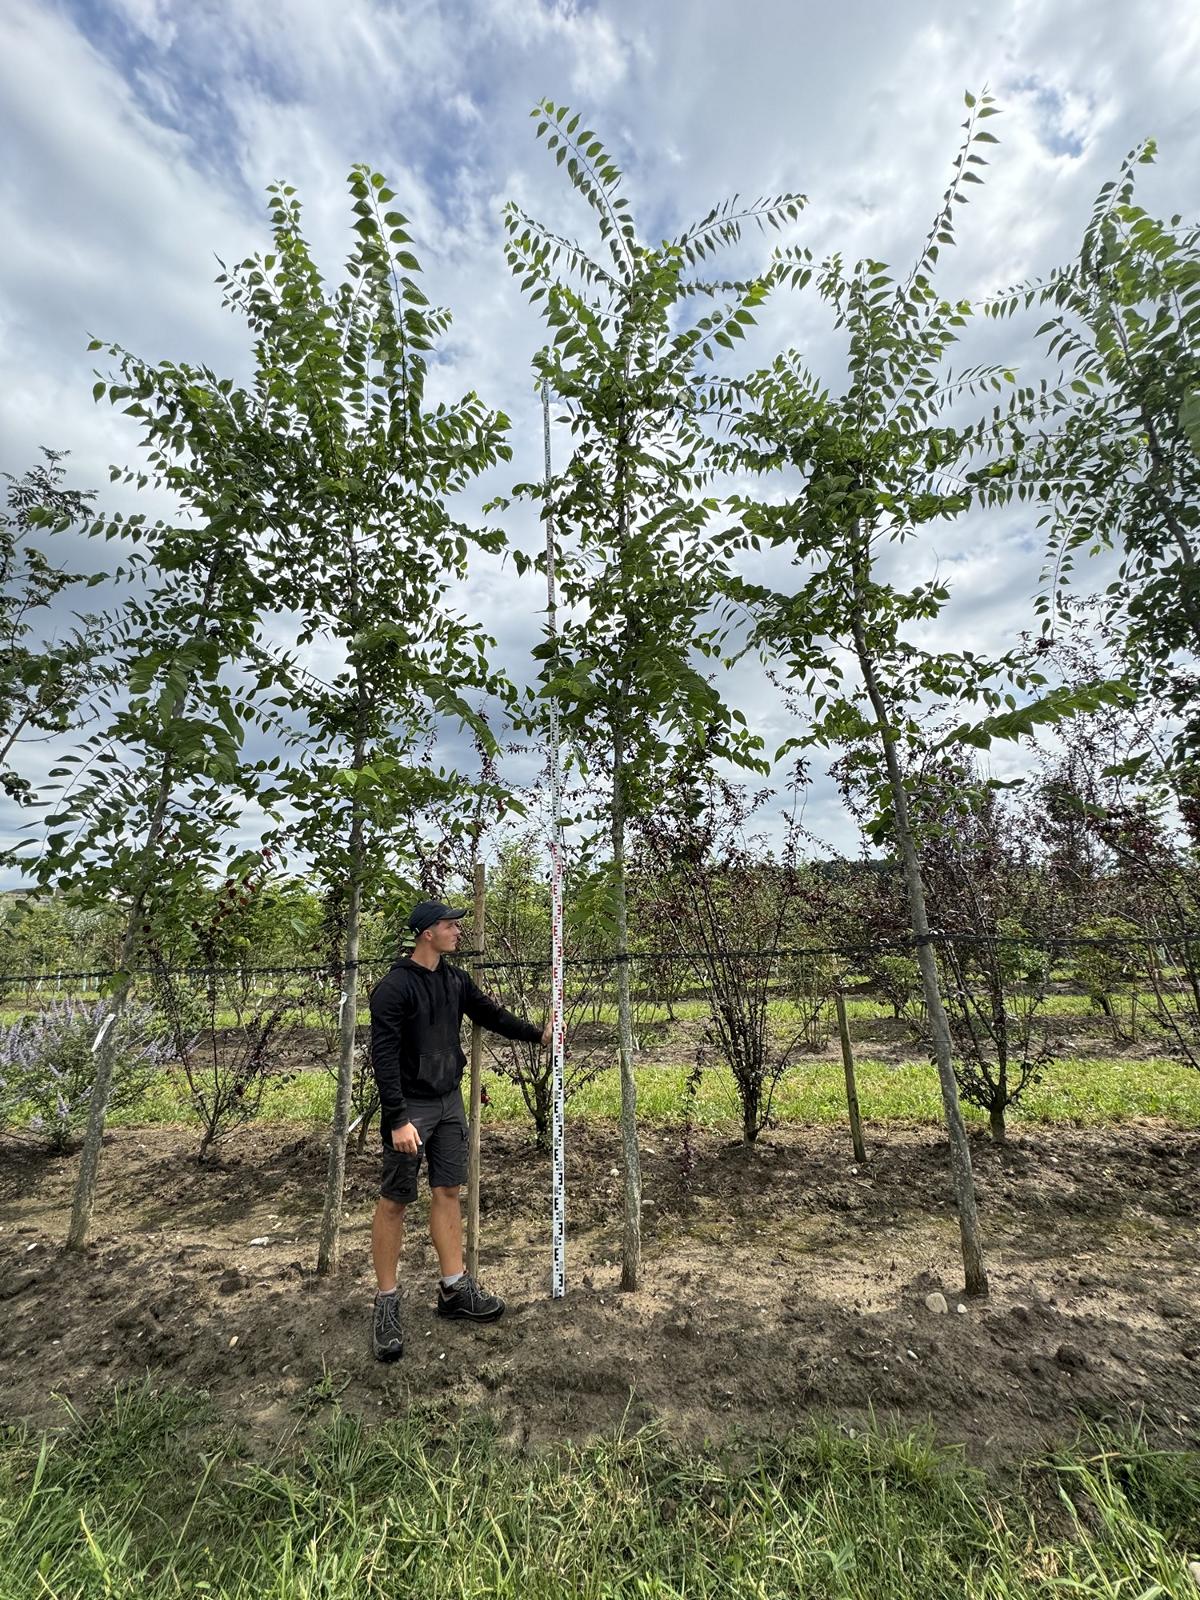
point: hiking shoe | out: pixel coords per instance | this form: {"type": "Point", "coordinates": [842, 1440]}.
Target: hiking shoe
{"type": "Point", "coordinates": [387, 1339]}
{"type": "Point", "coordinates": [469, 1300]}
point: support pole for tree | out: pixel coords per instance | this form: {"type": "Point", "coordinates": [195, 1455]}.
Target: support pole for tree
{"type": "Point", "coordinates": [558, 1202]}
{"type": "Point", "coordinates": [477, 937]}
{"type": "Point", "coordinates": [856, 1137]}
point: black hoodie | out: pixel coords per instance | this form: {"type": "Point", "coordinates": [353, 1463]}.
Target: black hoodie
{"type": "Point", "coordinates": [416, 1016]}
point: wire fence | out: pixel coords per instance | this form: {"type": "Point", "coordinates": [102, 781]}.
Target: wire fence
{"type": "Point", "coordinates": [1051, 944]}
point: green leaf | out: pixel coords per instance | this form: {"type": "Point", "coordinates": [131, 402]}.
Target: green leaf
{"type": "Point", "coordinates": [1189, 420]}
{"type": "Point", "coordinates": [1058, 705]}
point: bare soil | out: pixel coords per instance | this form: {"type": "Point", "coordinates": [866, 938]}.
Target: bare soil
{"type": "Point", "coordinates": [780, 1283]}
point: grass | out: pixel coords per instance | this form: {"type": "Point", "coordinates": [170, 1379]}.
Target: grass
{"type": "Point", "coordinates": [1082, 1091]}
{"type": "Point", "coordinates": [151, 1498]}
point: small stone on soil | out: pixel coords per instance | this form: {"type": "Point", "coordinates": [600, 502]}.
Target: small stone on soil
{"type": "Point", "coordinates": [1070, 1355]}
{"type": "Point", "coordinates": [936, 1303]}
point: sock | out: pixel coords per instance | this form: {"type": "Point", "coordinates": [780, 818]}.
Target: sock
{"type": "Point", "coordinates": [448, 1283]}
{"type": "Point", "coordinates": [385, 1294]}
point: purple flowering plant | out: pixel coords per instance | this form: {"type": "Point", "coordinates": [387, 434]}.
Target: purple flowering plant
{"type": "Point", "coordinates": [48, 1065]}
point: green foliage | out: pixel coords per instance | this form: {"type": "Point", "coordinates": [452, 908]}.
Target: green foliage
{"type": "Point", "coordinates": [517, 932]}
{"type": "Point", "coordinates": [898, 980]}
{"type": "Point", "coordinates": [44, 681]}
{"type": "Point", "coordinates": [53, 933]}
{"type": "Point", "coordinates": [1116, 463]}
{"type": "Point", "coordinates": [354, 469]}
{"type": "Point", "coordinates": [1107, 971]}
{"type": "Point", "coordinates": [146, 805]}
{"type": "Point", "coordinates": [635, 565]}
{"type": "Point", "coordinates": [880, 459]}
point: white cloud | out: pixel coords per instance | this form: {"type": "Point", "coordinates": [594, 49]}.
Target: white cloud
{"type": "Point", "coordinates": [139, 137]}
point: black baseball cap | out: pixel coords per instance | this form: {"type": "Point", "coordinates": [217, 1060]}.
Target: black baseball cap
{"type": "Point", "coordinates": [428, 912]}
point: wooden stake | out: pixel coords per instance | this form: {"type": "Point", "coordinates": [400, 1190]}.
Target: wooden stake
{"type": "Point", "coordinates": [860, 1152]}
{"type": "Point", "coordinates": [476, 1088]}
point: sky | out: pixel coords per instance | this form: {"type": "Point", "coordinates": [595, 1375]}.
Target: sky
{"type": "Point", "coordinates": [139, 137]}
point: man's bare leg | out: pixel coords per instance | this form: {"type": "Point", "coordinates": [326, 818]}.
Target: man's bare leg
{"type": "Point", "coordinates": [460, 1296]}
{"type": "Point", "coordinates": [387, 1241]}
{"type": "Point", "coordinates": [446, 1229]}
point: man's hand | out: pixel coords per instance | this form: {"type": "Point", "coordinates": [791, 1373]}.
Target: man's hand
{"type": "Point", "coordinates": [548, 1033]}
{"type": "Point", "coordinates": [406, 1139]}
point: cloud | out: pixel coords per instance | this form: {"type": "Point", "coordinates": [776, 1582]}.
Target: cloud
{"type": "Point", "coordinates": [140, 135]}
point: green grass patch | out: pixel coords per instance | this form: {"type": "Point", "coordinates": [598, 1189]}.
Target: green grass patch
{"type": "Point", "coordinates": [150, 1498]}
{"type": "Point", "coordinates": [1082, 1091]}
{"type": "Point", "coordinates": [1076, 1090]}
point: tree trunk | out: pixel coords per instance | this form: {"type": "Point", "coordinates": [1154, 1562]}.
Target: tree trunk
{"type": "Point", "coordinates": [999, 1106]}
{"type": "Point", "coordinates": [335, 1181]}
{"type": "Point", "coordinates": [89, 1157]}
{"type": "Point", "coordinates": [364, 1127]}
{"type": "Point", "coordinates": [856, 1137]}
{"type": "Point", "coordinates": [631, 1243]}
{"type": "Point", "coordinates": [960, 1150]}
{"type": "Point", "coordinates": [750, 1106]}
{"type": "Point", "coordinates": [104, 1045]}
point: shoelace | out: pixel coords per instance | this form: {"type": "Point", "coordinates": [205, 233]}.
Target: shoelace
{"type": "Point", "coordinates": [387, 1315]}
{"type": "Point", "coordinates": [468, 1284]}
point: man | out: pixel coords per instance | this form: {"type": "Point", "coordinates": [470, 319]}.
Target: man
{"type": "Point", "coordinates": [416, 1016]}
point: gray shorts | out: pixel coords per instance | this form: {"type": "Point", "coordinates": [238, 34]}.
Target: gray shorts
{"type": "Point", "coordinates": [442, 1125]}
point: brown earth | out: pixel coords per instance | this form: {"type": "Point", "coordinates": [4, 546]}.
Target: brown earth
{"type": "Point", "coordinates": [779, 1284]}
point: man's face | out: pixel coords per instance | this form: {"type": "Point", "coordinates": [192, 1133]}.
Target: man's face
{"type": "Point", "coordinates": [443, 936]}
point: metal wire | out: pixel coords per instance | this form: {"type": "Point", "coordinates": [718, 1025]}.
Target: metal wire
{"type": "Point", "coordinates": [334, 971]}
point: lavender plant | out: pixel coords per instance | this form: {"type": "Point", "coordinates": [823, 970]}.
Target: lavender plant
{"type": "Point", "coordinates": [48, 1065]}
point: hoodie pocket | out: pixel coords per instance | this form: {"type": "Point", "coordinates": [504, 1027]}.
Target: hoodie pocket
{"type": "Point", "coordinates": [440, 1070]}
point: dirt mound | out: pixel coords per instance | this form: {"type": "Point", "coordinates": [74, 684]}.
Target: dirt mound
{"type": "Point", "coordinates": [778, 1282]}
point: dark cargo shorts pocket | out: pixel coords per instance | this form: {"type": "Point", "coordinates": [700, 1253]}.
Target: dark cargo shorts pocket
{"type": "Point", "coordinates": [442, 1125]}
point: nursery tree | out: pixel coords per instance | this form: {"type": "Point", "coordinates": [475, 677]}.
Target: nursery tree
{"type": "Point", "coordinates": [145, 807]}
{"type": "Point", "coordinates": [877, 461]}
{"type": "Point", "coordinates": [732, 903]}
{"type": "Point", "coordinates": [361, 467]}
{"type": "Point", "coordinates": [994, 905]}
{"type": "Point", "coordinates": [634, 574]}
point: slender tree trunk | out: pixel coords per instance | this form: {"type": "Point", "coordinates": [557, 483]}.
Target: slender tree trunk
{"type": "Point", "coordinates": [364, 1127]}
{"type": "Point", "coordinates": [104, 1045]}
{"type": "Point", "coordinates": [335, 1180]}
{"type": "Point", "coordinates": [960, 1150]}
{"type": "Point", "coordinates": [751, 1105]}
{"type": "Point", "coordinates": [996, 1124]}
{"type": "Point", "coordinates": [631, 1243]}
{"type": "Point", "coordinates": [856, 1136]}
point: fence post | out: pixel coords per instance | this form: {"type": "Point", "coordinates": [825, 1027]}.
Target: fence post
{"type": "Point", "coordinates": [839, 1001]}
{"type": "Point", "coordinates": [477, 937]}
